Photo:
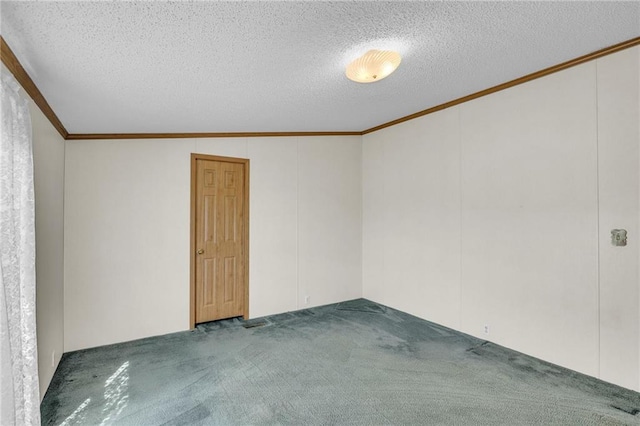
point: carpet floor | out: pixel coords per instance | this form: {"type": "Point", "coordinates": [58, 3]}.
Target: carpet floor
{"type": "Point", "coordinates": [355, 362]}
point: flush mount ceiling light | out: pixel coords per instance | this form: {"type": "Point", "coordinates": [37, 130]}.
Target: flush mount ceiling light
{"type": "Point", "coordinates": [373, 66]}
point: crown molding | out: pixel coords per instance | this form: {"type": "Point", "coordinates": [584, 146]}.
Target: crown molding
{"type": "Point", "coordinates": [18, 71]}
{"type": "Point", "coordinates": [12, 63]}
{"type": "Point", "coordinates": [89, 136]}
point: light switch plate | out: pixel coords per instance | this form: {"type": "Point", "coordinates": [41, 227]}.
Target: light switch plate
{"type": "Point", "coordinates": [619, 237]}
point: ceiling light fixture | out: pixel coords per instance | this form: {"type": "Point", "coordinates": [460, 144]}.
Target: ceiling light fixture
{"type": "Point", "coordinates": [373, 66]}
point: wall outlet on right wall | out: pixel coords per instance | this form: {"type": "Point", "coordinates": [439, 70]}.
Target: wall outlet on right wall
{"type": "Point", "coordinates": [486, 329]}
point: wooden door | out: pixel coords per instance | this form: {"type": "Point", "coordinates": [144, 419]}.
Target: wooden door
{"type": "Point", "coordinates": [220, 238]}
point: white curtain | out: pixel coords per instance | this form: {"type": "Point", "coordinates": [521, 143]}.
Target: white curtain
{"type": "Point", "coordinates": [19, 398]}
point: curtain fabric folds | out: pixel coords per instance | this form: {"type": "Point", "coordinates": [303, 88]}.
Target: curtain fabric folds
{"type": "Point", "coordinates": [19, 393]}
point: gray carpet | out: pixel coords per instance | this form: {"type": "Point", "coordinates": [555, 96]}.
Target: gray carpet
{"type": "Point", "coordinates": [352, 363]}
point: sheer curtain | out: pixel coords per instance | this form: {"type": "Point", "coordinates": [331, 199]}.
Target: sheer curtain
{"type": "Point", "coordinates": [19, 398]}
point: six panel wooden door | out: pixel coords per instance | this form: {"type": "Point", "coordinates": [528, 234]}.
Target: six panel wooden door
{"type": "Point", "coordinates": [220, 245]}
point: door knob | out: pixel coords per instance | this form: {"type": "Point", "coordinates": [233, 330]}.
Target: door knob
{"type": "Point", "coordinates": [200, 251]}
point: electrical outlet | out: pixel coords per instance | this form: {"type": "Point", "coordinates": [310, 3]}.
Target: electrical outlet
{"type": "Point", "coordinates": [486, 329]}
{"type": "Point", "coordinates": [53, 358]}
{"type": "Point", "coordinates": [306, 300]}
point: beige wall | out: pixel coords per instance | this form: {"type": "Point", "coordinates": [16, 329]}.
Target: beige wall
{"type": "Point", "coordinates": [529, 218]}
{"type": "Point", "coordinates": [127, 230]}
{"type": "Point", "coordinates": [411, 217]}
{"type": "Point", "coordinates": [48, 159]}
{"type": "Point", "coordinates": [619, 181]}
{"type": "Point", "coordinates": [126, 240]}
{"type": "Point", "coordinates": [497, 212]}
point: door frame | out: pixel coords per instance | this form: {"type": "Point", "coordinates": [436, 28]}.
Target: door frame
{"type": "Point", "coordinates": [192, 245]}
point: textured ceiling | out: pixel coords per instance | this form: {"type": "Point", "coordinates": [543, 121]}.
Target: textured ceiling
{"type": "Point", "coordinates": [127, 67]}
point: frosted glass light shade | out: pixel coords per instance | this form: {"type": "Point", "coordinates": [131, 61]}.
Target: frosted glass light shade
{"type": "Point", "coordinates": [373, 66]}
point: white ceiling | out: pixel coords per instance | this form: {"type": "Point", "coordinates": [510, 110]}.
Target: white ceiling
{"type": "Point", "coordinates": [127, 67]}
